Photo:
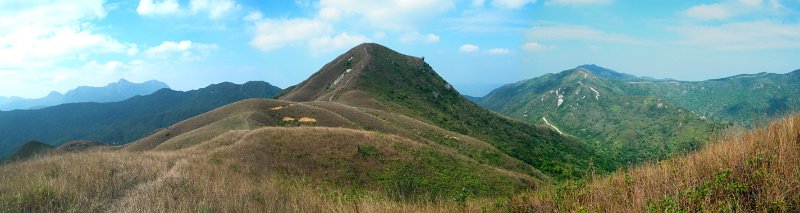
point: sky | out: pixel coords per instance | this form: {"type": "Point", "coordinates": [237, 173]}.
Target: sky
{"type": "Point", "coordinates": [476, 45]}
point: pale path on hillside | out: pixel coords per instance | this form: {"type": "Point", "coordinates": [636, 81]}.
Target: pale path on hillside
{"type": "Point", "coordinates": [551, 125]}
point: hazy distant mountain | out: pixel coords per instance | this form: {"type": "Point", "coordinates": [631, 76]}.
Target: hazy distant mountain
{"type": "Point", "coordinates": [112, 92]}
{"type": "Point", "coordinates": [120, 122]}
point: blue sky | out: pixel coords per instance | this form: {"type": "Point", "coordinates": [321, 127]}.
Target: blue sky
{"type": "Point", "coordinates": [477, 45]}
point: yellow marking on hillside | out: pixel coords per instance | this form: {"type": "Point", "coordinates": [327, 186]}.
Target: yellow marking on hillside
{"type": "Point", "coordinates": [288, 119]}
{"type": "Point", "coordinates": [277, 108]}
{"type": "Point", "coordinates": [307, 120]}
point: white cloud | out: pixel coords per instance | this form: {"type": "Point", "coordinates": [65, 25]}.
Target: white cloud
{"type": "Point", "coordinates": [753, 3]}
{"type": "Point", "coordinates": [383, 14]}
{"type": "Point", "coordinates": [533, 47]}
{"type": "Point", "coordinates": [724, 10]}
{"type": "Point", "coordinates": [108, 68]}
{"type": "Point", "coordinates": [499, 51]}
{"type": "Point", "coordinates": [215, 8]}
{"type": "Point", "coordinates": [378, 16]}
{"type": "Point", "coordinates": [151, 7]}
{"type": "Point", "coordinates": [271, 34]}
{"type": "Point", "coordinates": [379, 35]}
{"type": "Point", "coordinates": [52, 32]}
{"type": "Point", "coordinates": [413, 37]}
{"type": "Point", "coordinates": [577, 32]}
{"type": "Point", "coordinates": [577, 2]}
{"type": "Point", "coordinates": [709, 12]}
{"type": "Point", "coordinates": [478, 3]}
{"type": "Point", "coordinates": [341, 41]}
{"type": "Point", "coordinates": [187, 50]}
{"type": "Point", "coordinates": [468, 48]}
{"type": "Point", "coordinates": [511, 4]}
{"type": "Point", "coordinates": [132, 50]}
{"type": "Point", "coordinates": [750, 35]}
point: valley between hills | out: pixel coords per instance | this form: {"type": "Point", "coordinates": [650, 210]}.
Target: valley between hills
{"type": "Point", "coordinates": [375, 130]}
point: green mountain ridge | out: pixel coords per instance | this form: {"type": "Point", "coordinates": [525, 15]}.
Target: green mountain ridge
{"type": "Point", "coordinates": [120, 122]}
{"type": "Point", "coordinates": [747, 99]}
{"type": "Point", "coordinates": [621, 119]}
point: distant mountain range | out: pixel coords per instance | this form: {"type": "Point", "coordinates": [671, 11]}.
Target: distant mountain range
{"type": "Point", "coordinates": [112, 92]}
{"type": "Point", "coordinates": [638, 119]}
{"type": "Point", "coordinates": [627, 122]}
{"type": "Point", "coordinates": [120, 122]}
{"type": "Point", "coordinates": [748, 99]}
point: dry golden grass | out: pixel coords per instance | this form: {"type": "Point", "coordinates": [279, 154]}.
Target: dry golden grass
{"type": "Point", "coordinates": [239, 171]}
{"type": "Point", "coordinates": [307, 120]}
{"type": "Point", "coordinates": [756, 171]}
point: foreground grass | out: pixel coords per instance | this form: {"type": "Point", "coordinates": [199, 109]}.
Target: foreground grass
{"type": "Point", "coordinates": [292, 171]}
{"type": "Point", "coordinates": [756, 171]}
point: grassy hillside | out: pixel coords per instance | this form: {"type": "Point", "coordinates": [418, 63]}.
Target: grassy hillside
{"type": "Point", "coordinates": [267, 169]}
{"type": "Point", "coordinates": [120, 122]}
{"type": "Point", "coordinates": [753, 171]}
{"type": "Point", "coordinates": [626, 122]}
{"type": "Point", "coordinates": [230, 122]}
{"type": "Point", "coordinates": [375, 77]}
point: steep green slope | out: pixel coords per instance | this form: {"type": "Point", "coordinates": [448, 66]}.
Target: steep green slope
{"type": "Point", "coordinates": [623, 120]}
{"type": "Point", "coordinates": [120, 122]}
{"type": "Point", "coordinates": [742, 99]}
{"type": "Point", "coordinates": [375, 77]}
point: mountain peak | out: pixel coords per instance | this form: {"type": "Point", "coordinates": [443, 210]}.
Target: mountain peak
{"type": "Point", "coordinates": [609, 73]}
{"type": "Point", "coordinates": [367, 68]}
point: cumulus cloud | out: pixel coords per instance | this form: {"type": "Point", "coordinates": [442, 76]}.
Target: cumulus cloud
{"type": "Point", "coordinates": [152, 7]}
{"type": "Point", "coordinates": [186, 50]}
{"type": "Point", "coordinates": [319, 33]}
{"type": "Point", "coordinates": [709, 12]}
{"type": "Point", "coordinates": [577, 2]}
{"type": "Point", "coordinates": [577, 32]}
{"type": "Point", "coordinates": [383, 14]}
{"type": "Point", "coordinates": [499, 51]}
{"type": "Point", "coordinates": [214, 9]}
{"type": "Point", "coordinates": [511, 4]}
{"type": "Point", "coordinates": [733, 8]}
{"type": "Point", "coordinates": [341, 41]}
{"type": "Point", "coordinates": [51, 33]}
{"type": "Point", "coordinates": [468, 48]}
{"type": "Point", "coordinates": [272, 34]}
{"type": "Point", "coordinates": [413, 37]}
{"type": "Point", "coordinates": [533, 47]}
{"type": "Point", "coordinates": [748, 35]}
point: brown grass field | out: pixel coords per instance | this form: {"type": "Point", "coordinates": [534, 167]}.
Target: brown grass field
{"type": "Point", "coordinates": [245, 164]}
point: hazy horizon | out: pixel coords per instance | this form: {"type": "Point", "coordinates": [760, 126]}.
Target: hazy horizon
{"type": "Point", "coordinates": [474, 44]}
